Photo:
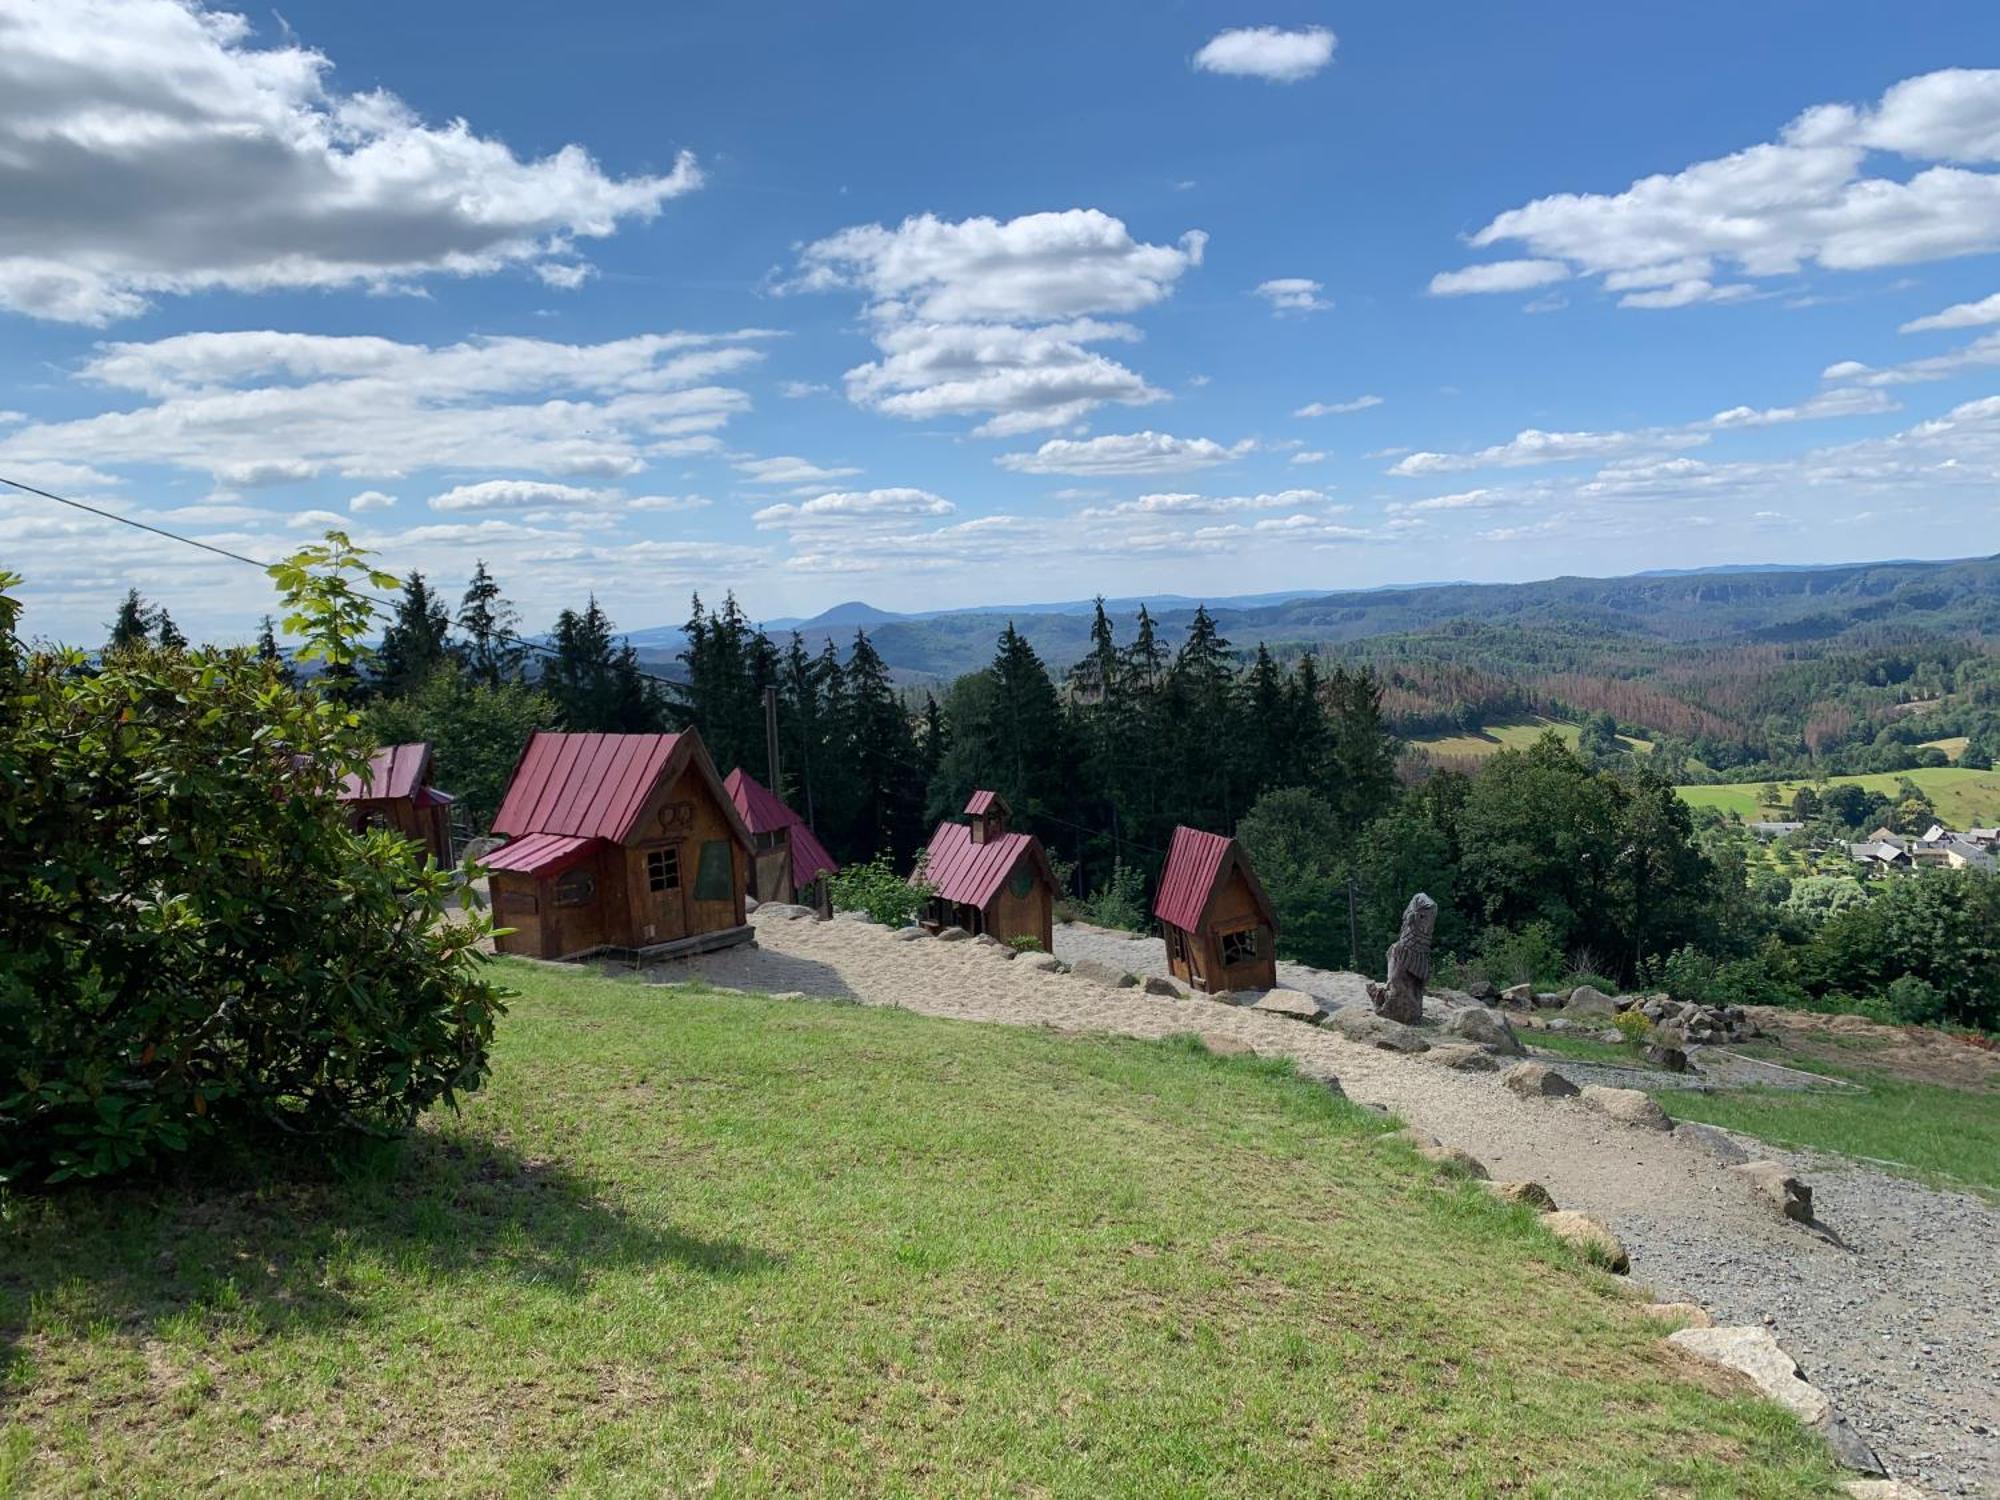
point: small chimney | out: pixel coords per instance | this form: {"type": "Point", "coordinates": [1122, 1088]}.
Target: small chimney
{"type": "Point", "coordinates": [987, 813]}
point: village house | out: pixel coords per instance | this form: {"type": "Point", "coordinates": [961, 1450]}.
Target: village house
{"type": "Point", "coordinates": [1220, 930]}
{"type": "Point", "coordinates": [395, 792]}
{"type": "Point", "coordinates": [986, 879]}
{"type": "Point", "coordinates": [1764, 832]}
{"type": "Point", "coordinates": [619, 841]}
{"type": "Point", "coordinates": [790, 861]}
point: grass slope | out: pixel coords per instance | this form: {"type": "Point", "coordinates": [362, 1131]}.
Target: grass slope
{"type": "Point", "coordinates": [1963, 798]}
{"type": "Point", "coordinates": [1495, 737]}
{"type": "Point", "coordinates": [687, 1241]}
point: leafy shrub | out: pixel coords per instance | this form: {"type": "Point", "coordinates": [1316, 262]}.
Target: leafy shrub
{"type": "Point", "coordinates": [1633, 1024]}
{"type": "Point", "coordinates": [876, 888]}
{"type": "Point", "coordinates": [1528, 956]}
{"type": "Point", "coordinates": [194, 947]}
{"type": "Point", "coordinates": [1120, 901]}
{"type": "Point", "coordinates": [1914, 1001]}
{"type": "Point", "coordinates": [1023, 942]}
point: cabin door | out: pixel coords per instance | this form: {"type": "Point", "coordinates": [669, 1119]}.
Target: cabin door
{"type": "Point", "coordinates": [663, 892]}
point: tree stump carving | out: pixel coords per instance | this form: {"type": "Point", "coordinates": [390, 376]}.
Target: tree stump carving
{"type": "Point", "coordinates": [1402, 998]}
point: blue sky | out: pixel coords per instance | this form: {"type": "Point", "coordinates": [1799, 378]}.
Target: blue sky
{"type": "Point", "coordinates": [931, 306]}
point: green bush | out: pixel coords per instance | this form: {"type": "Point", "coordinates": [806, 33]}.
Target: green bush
{"type": "Point", "coordinates": [1528, 956]}
{"type": "Point", "coordinates": [1023, 942]}
{"type": "Point", "coordinates": [1120, 901]}
{"type": "Point", "coordinates": [1633, 1024]}
{"type": "Point", "coordinates": [876, 888]}
{"type": "Point", "coordinates": [193, 945]}
{"type": "Point", "coordinates": [1914, 1001]}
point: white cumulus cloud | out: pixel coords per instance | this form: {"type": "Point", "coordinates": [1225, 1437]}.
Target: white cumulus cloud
{"type": "Point", "coordinates": [369, 500]}
{"type": "Point", "coordinates": [1498, 276]}
{"type": "Point", "coordinates": [1267, 52]}
{"type": "Point", "coordinates": [1293, 294]}
{"type": "Point", "coordinates": [1337, 408]}
{"type": "Point", "coordinates": [212, 162]}
{"type": "Point", "coordinates": [1124, 453]}
{"type": "Point", "coordinates": [517, 494]}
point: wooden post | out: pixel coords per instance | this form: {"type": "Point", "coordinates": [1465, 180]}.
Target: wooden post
{"type": "Point", "coordinates": [771, 740]}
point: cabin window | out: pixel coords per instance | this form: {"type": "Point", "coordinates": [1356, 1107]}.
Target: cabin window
{"type": "Point", "coordinates": [576, 888]}
{"type": "Point", "coordinates": [714, 877]}
{"type": "Point", "coordinates": [1239, 947]}
{"type": "Point", "coordinates": [1021, 881]}
{"type": "Point", "coordinates": [766, 842]}
{"type": "Point", "coordinates": [663, 869]}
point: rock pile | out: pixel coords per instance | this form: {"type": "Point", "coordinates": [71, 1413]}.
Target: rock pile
{"type": "Point", "coordinates": [1678, 1022]}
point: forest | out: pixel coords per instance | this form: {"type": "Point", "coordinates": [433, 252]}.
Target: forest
{"type": "Point", "coordinates": [1549, 863]}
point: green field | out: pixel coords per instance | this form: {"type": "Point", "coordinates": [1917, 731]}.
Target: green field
{"type": "Point", "coordinates": [1964, 799]}
{"type": "Point", "coordinates": [688, 1242]}
{"type": "Point", "coordinates": [1518, 736]}
{"type": "Point", "coordinates": [1952, 745]}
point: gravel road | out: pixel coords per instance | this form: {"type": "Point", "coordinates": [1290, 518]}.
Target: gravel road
{"type": "Point", "coordinates": [1893, 1315]}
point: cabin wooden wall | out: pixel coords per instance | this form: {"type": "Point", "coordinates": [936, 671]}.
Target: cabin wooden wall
{"type": "Point", "coordinates": [548, 929]}
{"type": "Point", "coordinates": [428, 826]}
{"type": "Point", "coordinates": [686, 815]}
{"type": "Point", "coordinates": [1233, 909]}
{"type": "Point", "coordinates": [1008, 916]}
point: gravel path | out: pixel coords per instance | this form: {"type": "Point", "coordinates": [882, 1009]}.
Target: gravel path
{"type": "Point", "coordinates": [1899, 1321]}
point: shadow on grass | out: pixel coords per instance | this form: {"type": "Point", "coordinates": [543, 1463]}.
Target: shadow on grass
{"type": "Point", "coordinates": [306, 1246]}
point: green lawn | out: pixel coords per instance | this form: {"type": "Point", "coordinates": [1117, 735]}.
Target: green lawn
{"type": "Point", "coordinates": [1963, 798]}
{"type": "Point", "coordinates": [1495, 737]}
{"type": "Point", "coordinates": [1940, 1135]}
{"type": "Point", "coordinates": [690, 1242]}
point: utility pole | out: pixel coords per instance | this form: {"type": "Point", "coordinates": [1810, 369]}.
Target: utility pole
{"type": "Point", "coordinates": [1353, 931]}
{"type": "Point", "coordinates": [771, 740]}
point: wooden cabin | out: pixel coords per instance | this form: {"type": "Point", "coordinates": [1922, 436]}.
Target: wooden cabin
{"type": "Point", "coordinates": [618, 841]}
{"type": "Point", "coordinates": [790, 861]}
{"type": "Point", "coordinates": [1220, 930]}
{"type": "Point", "coordinates": [987, 879]}
{"type": "Point", "coordinates": [395, 792]}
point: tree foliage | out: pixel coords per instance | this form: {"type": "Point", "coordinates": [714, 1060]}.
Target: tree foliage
{"type": "Point", "coordinates": [193, 945]}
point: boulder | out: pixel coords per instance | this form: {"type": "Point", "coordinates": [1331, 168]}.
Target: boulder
{"type": "Point", "coordinates": [1048, 963]}
{"type": "Point", "coordinates": [987, 940]}
{"type": "Point", "coordinates": [1752, 1350]}
{"type": "Point", "coordinates": [1559, 1024]}
{"type": "Point", "coordinates": [1099, 972]}
{"type": "Point", "coordinates": [952, 934]}
{"type": "Point", "coordinates": [855, 915]}
{"type": "Point", "coordinates": [1223, 1045]}
{"type": "Point", "coordinates": [1453, 1160]}
{"type": "Point", "coordinates": [1484, 1027]}
{"type": "Point", "coordinates": [907, 934]}
{"type": "Point", "coordinates": [1155, 985]}
{"type": "Point", "coordinates": [1461, 1057]}
{"type": "Point", "coordinates": [1671, 1058]}
{"type": "Point", "coordinates": [1519, 994]}
{"type": "Point", "coordinates": [1482, 990]}
{"type": "Point", "coordinates": [1296, 1004]}
{"type": "Point", "coordinates": [1531, 1193]}
{"type": "Point", "coordinates": [1588, 1003]}
{"type": "Point", "coordinates": [1627, 1106]}
{"type": "Point", "coordinates": [1687, 1314]}
{"type": "Point", "coordinates": [1534, 1080]}
{"type": "Point", "coordinates": [1583, 1233]}
{"type": "Point", "coordinates": [1717, 1143]}
{"type": "Point", "coordinates": [1778, 1187]}
{"type": "Point", "coordinates": [790, 911]}
{"type": "Point", "coordinates": [1358, 1025]}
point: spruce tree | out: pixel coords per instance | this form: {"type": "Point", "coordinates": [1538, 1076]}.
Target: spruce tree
{"type": "Point", "coordinates": [167, 633]}
{"type": "Point", "coordinates": [488, 622]}
{"type": "Point", "coordinates": [417, 640]}
{"type": "Point", "coordinates": [132, 625]}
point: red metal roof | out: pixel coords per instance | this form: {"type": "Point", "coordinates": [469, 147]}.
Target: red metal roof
{"type": "Point", "coordinates": [761, 809]}
{"type": "Point", "coordinates": [981, 801]}
{"type": "Point", "coordinates": [541, 854]}
{"type": "Point", "coordinates": [971, 874]}
{"type": "Point", "coordinates": [809, 857]}
{"type": "Point", "coordinates": [1194, 862]}
{"type": "Point", "coordinates": [764, 813]}
{"type": "Point", "coordinates": [394, 772]}
{"type": "Point", "coordinates": [583, 785]}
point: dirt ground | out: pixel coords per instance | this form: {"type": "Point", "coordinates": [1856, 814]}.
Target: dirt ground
{"type": "Point", "coordinates": [1915, 1054]}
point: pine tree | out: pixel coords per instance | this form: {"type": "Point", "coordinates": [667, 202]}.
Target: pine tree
{"type": "Point", "coordinates": [417, 640]}
{"type": "Point", "coordinates": [881, 756]}
{"type": "Point", "coordinates": [133, 624]}
{"type": "Point", "coordinates": [167, 633]}
{"type": "Point", "coordinates": [1361, 753]}
{"type": "Point", "coordinates": [489, 623]}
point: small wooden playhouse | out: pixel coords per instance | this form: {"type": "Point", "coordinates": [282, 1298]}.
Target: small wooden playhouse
{"type": "Point", "coordinates": [790, 861]}
{"type": "Point", "coordinates": [618, 841]}
{"type": "Point", "coordinates": [987, 879]}
{"type": "Point", "coordinates": [1219, 927]}
{"type": "Point", "coordinates": [395, 792]}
